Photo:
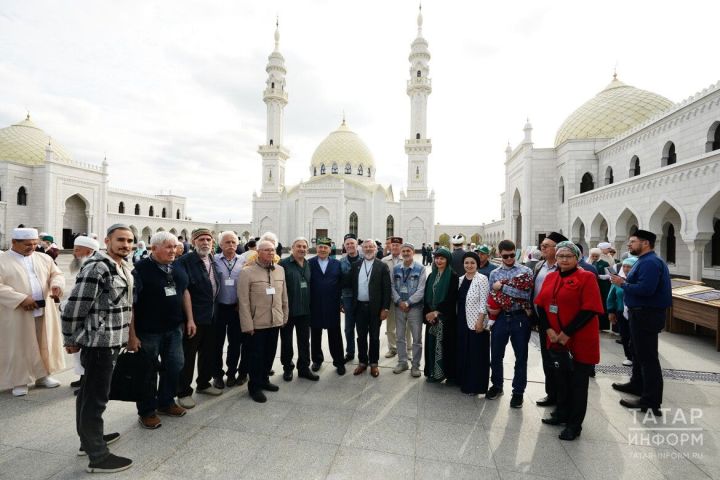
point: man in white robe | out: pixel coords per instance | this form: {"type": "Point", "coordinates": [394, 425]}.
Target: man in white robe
{"type": "Point", "coordinates": [31, 345]}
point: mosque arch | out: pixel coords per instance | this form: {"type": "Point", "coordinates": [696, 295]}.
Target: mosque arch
{"type": "Point", "coordinates": [75, 218]}
{"type": "Point", "coordinates": [348, 168]}
{"type": "Point", "coordinates": [416, 233]}
{"type": "Point", "coordinates": [164, 213]}
{"type": "Point", "coordinates": [360, 169]}
{"type": "Point", "coordinates": [320, 222]}
{"type": "Point", "coordinates": [669, 156]}
{"type": "Point", "coordinates": [177, 214]}
{"type": "Point", "coordinates": [715, 244]}
{"type": "Point", "coordinates": [713, 137]}
{"type": "Point", "coordinates": [667, 222]}
{"type": "Point", "coordinates": [173, 231]}
{"type": "Point", "coordinates": [22, 196]}
{"type": "Point", "coordinates": [151, 211]}
{"type": "Point", "coordinates": [322, 169]}
{"type": "Point", "coordinates": [609, 178]}
{"type": "Point", "coordinates": [266, 224]}
{"type": "Point", "coordinates": [634, 166]}
{"type": "Point", "coordinates": [587, 183]}
{"type": "Point", "coordinates": [121, 207]}
{"type": "Point", "coordinates": [160, 229]}
{"type": "Point", "coordinates": [334, 168]}
{"type": "Point", "coordinates": [661, 213]}
{"type": "Point", "coordinates": [147, 234]}
{"type": "Point", "coordinates": [561, 190]}
{"type": "Point", "coordinates": [184, 234]}
{"type": "Point", "coordinates": [599, 229]}
{"type": "Point", "coordinates": [669, 243]}
{"type": "Point", "coordinates": [624, 225]}
{"type": "Point", "coordinates": [353, 224]}
{"type": "Point", "coordinates": [708, 224]}
{"type": "Point", "coordinates": [475, 238]}
{"type": "Point", "coordinates": [444, 240]}
{"type": "Point", "coordinates": [389, 226]}
{"type": "Point", "coordinates": [134, 231]}
{"type": "Point", "coordinates": [517, 217]}
{"type": "Point", "coordinates": [577, 234]}
{"type": "Point", "coordinates": [137, 209]}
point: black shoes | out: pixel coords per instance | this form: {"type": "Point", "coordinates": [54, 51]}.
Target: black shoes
{"type": "Point", "coordinates": [270, 387]}
{"type": "Point", "coordinates": [242, 379]}
{"type": "Point", "coordinates": [349, 358]}
{"type": "Point", "coordinates": [341, 370]}
{"type": "Point", "coordinates": [638, 405]}
{"type": "Point", "coordinates": [218, 383]}
{"type": "Point", "coordinates": [76, 383]}
{"type": "Point", "coordinates": [271, 373]}
{"type": "Point", "coordinates": [288, 375]}
{"type": "Point", "coordinates": [258, 396]}
{"type": "Point", "coordinates": [109, 438]}
{"type": "Point", "coordinates": [626, 388]}
{"type": "Point", "coordinates": [546, 402]}
{"type": "Point", "coordinates": [110, 464]}
{"type": "Point", "coordinates": [307, 374]}
{"type": "Point", "coordinates": [553, 421]}
{"type": "Point", "coordinates": [570, 433]}
{"type": "Point", "coordinates": [493, 393]}
{"type": "Point", "coordinates": [516, 400]}
{"type": "Point", "coordinates": [315, 366]}
{"type": "Point", "coordinates": [231, 381]}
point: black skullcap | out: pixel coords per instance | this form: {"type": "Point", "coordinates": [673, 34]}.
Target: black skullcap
{"type": "Point", "coordinates": [557, 237]}
{"type": "Point", "coordinates": [350, 235]}
{"type": "Point", "coordinates": [645, 235]}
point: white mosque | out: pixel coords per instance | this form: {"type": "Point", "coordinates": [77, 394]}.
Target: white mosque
{"type": "Point", "coordinates": [341, 195]}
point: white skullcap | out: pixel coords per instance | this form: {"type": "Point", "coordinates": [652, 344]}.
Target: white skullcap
{"type": "Point", "coordinates": [82, 241]}
{"type": "Point", "coordinates": [25, 234]}
{"type": "Point", "coordinates": [457, 239]}
{"type": "Point", "coordinates": [602, 245]}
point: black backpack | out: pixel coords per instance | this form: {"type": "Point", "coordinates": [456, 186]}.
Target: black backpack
{"type": "Point", "coordinates": [134, 377]}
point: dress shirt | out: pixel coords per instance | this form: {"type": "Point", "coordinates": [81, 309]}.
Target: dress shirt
{"type": "Point", "coordinates": [364, 280]}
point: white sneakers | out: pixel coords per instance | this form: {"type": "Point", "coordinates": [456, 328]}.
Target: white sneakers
{"type": "Point", "coordinates": [47, 382]}
{"type": "Point", "coordinates": [186, 402]}
{"type": "Point", "coordinates": [20, 391]}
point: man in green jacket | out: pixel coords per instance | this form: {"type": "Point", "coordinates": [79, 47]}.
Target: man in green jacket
{"type": "Point", "coordinates": [297, 278]}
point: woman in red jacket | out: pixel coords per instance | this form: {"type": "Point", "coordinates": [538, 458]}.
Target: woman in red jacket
{"type": "Point", "coordinates": [570, 300]}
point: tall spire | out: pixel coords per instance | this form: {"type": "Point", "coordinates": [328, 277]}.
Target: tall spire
{"type": "Point", "coordinates": [420, 20]}
{"type": "Point", "coordinates": [277, 33]}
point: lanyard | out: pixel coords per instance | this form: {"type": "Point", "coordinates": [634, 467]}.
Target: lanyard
{"type": "Point", "coordinates": [405, 277]}
{"type": "Point", "coordinates": [367, 273]}
{"type": "Point", "coordinates": [230, 266]}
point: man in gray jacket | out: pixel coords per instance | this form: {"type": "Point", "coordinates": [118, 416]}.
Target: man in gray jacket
{"type": "Point", "coordinates": [95, 322]}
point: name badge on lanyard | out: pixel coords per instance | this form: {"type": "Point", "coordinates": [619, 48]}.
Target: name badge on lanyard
{"type": "Point", "coordinates": [553, 309]}
{"type": "Point", "coordinates": [303, 284]}
{"type": "Point", "coordinates": [229, 282]}
{"type": "Point", "coordinates": [170, 291]}
{"type": "Point", "coordinates": [270, 291]}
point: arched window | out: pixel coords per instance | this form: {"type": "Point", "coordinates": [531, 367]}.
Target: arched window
{"type": "Point", "coordinates": [609, 179]}
{"type": "Point", "coordinates": [322, 169]}
{"type": "Point", "coordinates": [334, 168]}
{"type": "Point", "coordinates": [164, 213]}
{"type": "Point", "coordinates": [561, 190]}
{"type": "Point", "coordinates": [634, 166]}
{"type": "Point", "coordinates": [419, 74]}
{"type": "Point", "coordinates": [369, 171]}
{"type": "Point", "coordinates": [669, 244]}
{"type": "Point", "coordinates": [137, 209]}
{"type": "Point", "coordinates": [669, 157]}
{"type": "Point", "coordinates": [121, 207]}
{"type": "Point", "coordinates": [272, 84]}
{"type": "Point", "coordinates": [353, 227]}
{"type": "Point", "coordinates": [587, 183]}
{"type": "Point", "coordinates": [177, 214]}
{"type": "Point", "coordinates": [715, 245]}
{"type": "Point", "coordinates": [389, 226]}
{"type": "Point", "coordinates": [348, 168]}
{"type": "Point", "coordinates": [151, 211]}
{"type": "Point", "coordinates": [713, 137]}
{"type": "Point", "coordinates": [271, 141]}
{"type": "Point", "coordinates": [360, 170]}
{"type": "Point", "coordinates": [22, 196]}
{"type": "Point", "coordinates": [314, 171]}
{"type": "Point", "coordinates": [417, 136]}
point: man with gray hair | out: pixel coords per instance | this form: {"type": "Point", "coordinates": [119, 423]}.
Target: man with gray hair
{"type": "Point", "coordinates": [95, 323]}
{"type": "Point", "coordinates": [162, 311]}
{"type": "Point", "coordinates": [408, 295]}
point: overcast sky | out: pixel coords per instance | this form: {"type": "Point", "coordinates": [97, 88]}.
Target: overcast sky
{"type": "Point", "coordinates": [171, 91]}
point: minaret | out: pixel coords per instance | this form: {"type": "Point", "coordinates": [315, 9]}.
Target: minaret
{"type": "Point", "coordinates": [275, 96]}
{"type": "Point", "coordinates": [419, 87]}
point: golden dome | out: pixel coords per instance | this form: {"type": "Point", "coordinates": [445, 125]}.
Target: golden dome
{"type": "Point", "coordinates": [611, 112]}
{"type": "Point", "coordinates": [25, 143]}
{"type": "Point", "coordinates": [342, 147]}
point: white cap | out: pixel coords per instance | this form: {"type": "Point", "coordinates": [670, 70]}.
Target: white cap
{"type": "Point", "coordinates": [25, 234]}
{"type": "Point", "coordinates": [602, 245]}
{"type": "Point", "coordinates": [82, 241]}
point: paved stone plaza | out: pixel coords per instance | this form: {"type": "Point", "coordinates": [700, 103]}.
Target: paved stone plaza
{"type": "Point", "coordinates": [392, 427]}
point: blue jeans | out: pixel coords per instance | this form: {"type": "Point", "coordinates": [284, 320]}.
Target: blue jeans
{"type": "Point", "coordinates": [347, 303]}
{"type": "Point", "coordinates": [168, 346]}
{"type": "Point", "coordinates": [515, 327]}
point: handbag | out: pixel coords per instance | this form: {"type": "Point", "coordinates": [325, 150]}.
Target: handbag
{"type": "Point", "coordinates": [134, 377]}
{"type": "Point", "coordinates": [561, 360]}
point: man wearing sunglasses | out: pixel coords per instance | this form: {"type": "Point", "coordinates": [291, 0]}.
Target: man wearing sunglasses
{"type": "Point", "coordinates": [513, 324]}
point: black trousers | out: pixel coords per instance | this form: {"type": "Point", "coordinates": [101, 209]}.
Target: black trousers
{"type": "Point", "coordinates": [92, 398]}
{"type": "Point", "coordinates": [227, 323]}
{"type": "Point", "coordinates": [203, 346]}
{"type": "Point", "coordinates": [623, 326]}
{"type": "Point", "coordinates": [645, 325]}
{"type": "Point", "coordinates": [262, 346]}
{"type": "Point", "coordinates": [301, 325]}
{"type": "Point", "coordinates": [334, 341]}
{"type": "Point", "coordinates": [367, 324]}
{"type": "Point", "coordinates": [548, 370]}
{"type": "Point", "coordinates": [572, 393]}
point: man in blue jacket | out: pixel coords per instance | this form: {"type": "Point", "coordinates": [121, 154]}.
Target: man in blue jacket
{"type": "Point", "coordinates": [325, 288]}
{"type": "Point", "coordinates": [648, 295]}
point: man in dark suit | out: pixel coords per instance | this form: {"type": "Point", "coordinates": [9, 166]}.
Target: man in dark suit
{"type": "Point", "coordinates": [204, 284]}
{"type": "Point", "coordinates": [370, 279]}
{"type": "Point", "coordinates": [325, 287]}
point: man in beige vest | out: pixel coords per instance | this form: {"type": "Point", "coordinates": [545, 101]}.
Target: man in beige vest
{"type": "Point", "coordinates": [31, 346]}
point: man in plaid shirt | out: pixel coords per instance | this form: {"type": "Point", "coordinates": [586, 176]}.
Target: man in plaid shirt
{"type": "Point", "coordinates": [95, 322]}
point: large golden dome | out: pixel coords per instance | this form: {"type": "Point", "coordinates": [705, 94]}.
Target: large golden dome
{"type": "Point", "coordinates": [342, 148]}
{"type": "Point", "coordinates": [611, 112]}
{"type": "Point", "coordinates": [25, 143]}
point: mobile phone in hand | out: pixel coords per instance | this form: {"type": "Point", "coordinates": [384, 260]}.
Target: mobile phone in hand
{"type": "Point", "coordinates": [40, 303]}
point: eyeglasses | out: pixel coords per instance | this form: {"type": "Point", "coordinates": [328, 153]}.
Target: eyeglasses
{"type": "Point", "coordinates": [507, 255]}
{"type": "Point", "coordinates": [565, 257]}
{"type": "Point", "coordinates": [546, 245]}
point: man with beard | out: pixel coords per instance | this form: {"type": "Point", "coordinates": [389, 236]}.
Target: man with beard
{"type": "Point", "coordinates": [96, 322]}
{"type": "Point", "coordinates": [204, 283]}
{"type": "Point", "coordinates": [83, 248]}
{"type": "Point", "coordinates": [647, 294]}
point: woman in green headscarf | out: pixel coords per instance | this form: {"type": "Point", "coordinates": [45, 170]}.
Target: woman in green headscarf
{"type": "Point", "coordinates": [441, 290]}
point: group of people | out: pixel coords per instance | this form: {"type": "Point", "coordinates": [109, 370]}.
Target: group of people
{"type": "Point", "coordinates": [183, 307]}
